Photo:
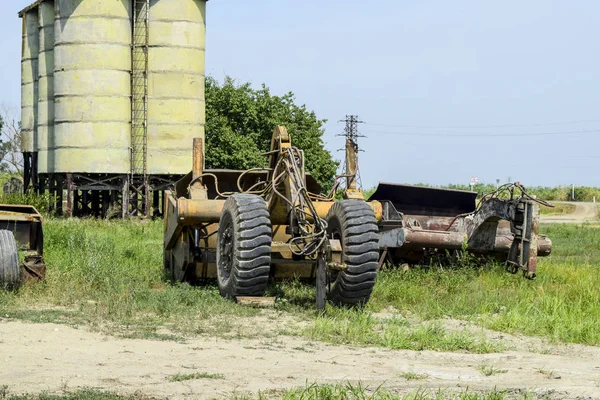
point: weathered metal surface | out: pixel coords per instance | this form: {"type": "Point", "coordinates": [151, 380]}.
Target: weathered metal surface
{"type": "Point", "coordinates": [445, 240]}
{"type": "Point", "coordinates": [227, 181]}
{"type": "Point", "coordinates": [176, 63]}
{"type": "Point", "coordinates": [26, 225]}
{"type": "Point", "coordinates": [92, 87]}
{"type": "Point", "coordinates": [44, 137]}
{"type": "Point", "coordinates": [29, 81]}
{"type": "Point", "coordinates": [351, 165]}
{"type": "Point", "coordinates": [196, 211]}
{"type": "Point", "coordinates": [427, 201]}
{"type": "Point", "coordinates": [198, 159]}
{"type": "Point", "coordinates": [299, 245]}
{"type": "Point", "coordinates": [32, 6]}
{"type": "Point", "coordinates": [33, 269]}
{"type": "Point", "coordinates": [482, 226]}
{"type": "Point", "coordinates": [499, 227]}
{"type": "Point", "coordinates": [321, 283]}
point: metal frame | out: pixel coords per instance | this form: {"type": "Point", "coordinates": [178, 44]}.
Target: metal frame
{"type": "Point", "coordinates": [25, 222]}
{"type": "Point", "coordinates": [101, 195]}
{"type": "Point", "coordinates": [139, 187]}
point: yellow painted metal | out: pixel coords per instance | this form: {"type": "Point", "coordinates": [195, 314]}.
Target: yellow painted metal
{"type": "Point", "coordinates": [92, 86]}
{"type": "Point", "coordinates": [44, 138]}
{"type": "Point", "coordinates": [29, 85]}
{"type": "Point", "coordinates": [196, 211]}
{"type": "Point", "coordinates": [176, 108]}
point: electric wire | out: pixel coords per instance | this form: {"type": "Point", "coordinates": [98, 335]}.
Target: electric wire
{"type": "Point", "coordinates": [485, 126]}
{"type": "Point", "coordinates": [485, 135]}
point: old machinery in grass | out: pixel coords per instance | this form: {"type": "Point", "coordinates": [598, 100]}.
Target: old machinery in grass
{"type": "Point", "coordinates": [246, 227]}
{"type": "Point", "coordinates": [20, 230]}
{"type": "Point", "coordinates": [421, 224]}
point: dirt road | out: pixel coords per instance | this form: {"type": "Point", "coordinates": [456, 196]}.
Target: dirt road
{"type": "Point", "coordinates": [584, 212]}
{"type": "Point", "coordinates": [47, 357]}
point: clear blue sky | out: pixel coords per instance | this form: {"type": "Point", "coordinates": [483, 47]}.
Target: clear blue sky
{"type": "Point", "coordinates": [413, 69]}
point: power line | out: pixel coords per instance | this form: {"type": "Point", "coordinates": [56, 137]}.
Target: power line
{"type": "Point", "coordinates": [484, 135]}
{"type": "Point", "coordinates": [486, 126]}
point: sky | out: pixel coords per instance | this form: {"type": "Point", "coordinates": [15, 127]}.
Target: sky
{"type": "Point", "coordinates": [448, 90]}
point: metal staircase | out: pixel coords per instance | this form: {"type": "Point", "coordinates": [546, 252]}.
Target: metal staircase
{"type": "Point", "coordinates": [138, 201]}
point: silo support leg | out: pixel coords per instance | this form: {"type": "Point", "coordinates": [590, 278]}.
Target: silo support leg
{"type": "Point", "coordinates": [69, 210]}
{"type": "Point", "coordinates": [125, 200]}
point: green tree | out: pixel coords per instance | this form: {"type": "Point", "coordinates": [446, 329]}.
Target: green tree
{"type": "Point", "coordinates": [240, 123]}
{"type": "Point", "coordinates": [11, 158]}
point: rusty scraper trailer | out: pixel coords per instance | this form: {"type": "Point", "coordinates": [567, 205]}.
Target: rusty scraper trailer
{"type": "Point", "coordinates": [20, 229]}
{"type": "Point", "coordinates": [420, 224]}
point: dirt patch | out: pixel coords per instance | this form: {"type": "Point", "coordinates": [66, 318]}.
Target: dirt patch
{"type": "Point", "coordinates": [584, 212]}
{"type": "Point", "coordinates": [49, 357]}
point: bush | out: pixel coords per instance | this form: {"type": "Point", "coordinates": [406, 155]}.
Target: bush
{"type": "Point", "coordinates": [40, 202]}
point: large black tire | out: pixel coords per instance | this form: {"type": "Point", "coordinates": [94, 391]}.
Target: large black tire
{"type": "Point", "coordinates": [244, 246]}
{"type": "Point", "coordinates": [10, 271]}
{"type": "Point", "coordinates": [353, 222]}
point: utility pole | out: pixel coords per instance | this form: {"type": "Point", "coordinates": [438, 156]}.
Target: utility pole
{"type": "Point", "coordinates": [351, 169]}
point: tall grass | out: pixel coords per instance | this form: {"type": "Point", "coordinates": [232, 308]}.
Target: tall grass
{"type": "Point", "coordinates": [40, 202]}
{"type": "Point", "coordinates": [562, 303]}
{"type": "Point", "coordinates": [109, 275]}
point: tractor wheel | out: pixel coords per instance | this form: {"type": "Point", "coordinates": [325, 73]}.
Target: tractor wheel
{"type": "Point", "coordinates": [10, 271]}
{"type": "Point", "coordinates": [244, 246]}
{"type": "Point", "coordinates": [353, 223]}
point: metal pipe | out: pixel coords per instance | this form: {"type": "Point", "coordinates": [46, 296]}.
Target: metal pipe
{"type": "Point", "coordinates": [192, 211]}
{"type": "Point", "coordinates": [412, 239]}
{"type": "Point", "coordinates": [198, 159]}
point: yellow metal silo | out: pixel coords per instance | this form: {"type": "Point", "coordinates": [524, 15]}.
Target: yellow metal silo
{"type": "Point", "coordinates": [29, 84]}
{"type": "Point", "coordinates": [92, 96]}
{"type": "Point", "coordinates": [45, 110]}
{"type": "Point", "coordinates": [176, 107]}
{"type": "Point", "coordinates": [110, 112]}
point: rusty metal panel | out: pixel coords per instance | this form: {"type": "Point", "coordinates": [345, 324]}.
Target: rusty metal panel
{"type": "Point", "coordinates": [26, 224]}
{"type": "Point", "coordinates": [419, 200]}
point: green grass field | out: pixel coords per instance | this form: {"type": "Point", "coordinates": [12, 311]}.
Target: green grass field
{"type": "Point", "coordinates": [108, 275]}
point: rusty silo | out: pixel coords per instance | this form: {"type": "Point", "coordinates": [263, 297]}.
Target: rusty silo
{"type": "Point", "coordinates": [121, 95]}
